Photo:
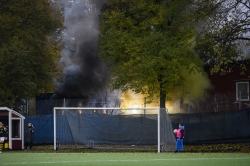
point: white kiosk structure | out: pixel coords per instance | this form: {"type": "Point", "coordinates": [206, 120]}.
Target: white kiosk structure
{"type": "Point", "coordinates": [15, 123]}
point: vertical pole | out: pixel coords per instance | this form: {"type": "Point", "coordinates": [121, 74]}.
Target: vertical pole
{"type": "Point", "coordinates": [188, 104]}
{"type": "Point", "coordinates": [240, 100]}
{"type": "Point", "coordinates": [10, 130]}
{"type": "Point", "coordinates": [144, 106]}
{"type": "Point", "coordinates": [179, 107]}
{"type": "Point", "coordinates": [158, 127]}
{"type": "Point", "coordinates": [22, 131]}
{"type": "Point", "coordinates": [54, 129]}
{"type": "Point", "coordinates": [27, 107]}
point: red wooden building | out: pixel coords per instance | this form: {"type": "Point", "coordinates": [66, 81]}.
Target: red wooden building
{"type": "Point", "coordinates": [15, 124]}
{"type": "Point", "coordinates": [230, 89]}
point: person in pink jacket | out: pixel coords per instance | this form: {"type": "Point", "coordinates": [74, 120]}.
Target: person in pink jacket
{"type": "Point", "coordinates": [179, 138]}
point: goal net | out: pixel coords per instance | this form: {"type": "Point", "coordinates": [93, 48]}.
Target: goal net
{"type": "Point", "coordinates": [113, 128]}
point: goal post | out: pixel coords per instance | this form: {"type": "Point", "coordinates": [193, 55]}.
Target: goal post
{"type": "Point", "coordinates": [113, 128]}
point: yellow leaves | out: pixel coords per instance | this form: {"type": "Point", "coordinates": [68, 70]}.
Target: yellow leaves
{"type": "Point", "coordinates": [237, 147]}
{"type": "Point", "coordinates": [205, 148]}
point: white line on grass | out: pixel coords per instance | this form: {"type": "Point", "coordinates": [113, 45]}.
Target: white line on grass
{"type": "Point", "coordinates": [92, 161]}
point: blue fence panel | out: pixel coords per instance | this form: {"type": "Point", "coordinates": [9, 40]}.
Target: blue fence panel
{"type": "Point", "coordinates": [43, 127]}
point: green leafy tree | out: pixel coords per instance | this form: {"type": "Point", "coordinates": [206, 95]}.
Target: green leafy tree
{"type": "Point", "coordinates": [146, 43]}
{"type": "Point", "coordinates": [28, 52]}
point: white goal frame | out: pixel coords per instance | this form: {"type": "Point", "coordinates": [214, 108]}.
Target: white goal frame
{"type": "Point", "coordinates": [108, 108]}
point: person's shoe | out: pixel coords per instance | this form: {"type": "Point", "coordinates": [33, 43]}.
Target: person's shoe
{"type": "Point", "coordinates": [0, 152]}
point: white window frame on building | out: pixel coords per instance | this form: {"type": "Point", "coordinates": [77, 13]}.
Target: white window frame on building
{"type": "Point", "coordinates": [242, 91]}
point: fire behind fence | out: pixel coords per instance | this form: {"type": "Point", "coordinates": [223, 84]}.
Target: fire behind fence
{"type": "Point", "coordinates": [188, 104]}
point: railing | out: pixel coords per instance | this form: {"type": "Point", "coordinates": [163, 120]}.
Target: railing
{"type": "Point", "coordinates": [188, 104]}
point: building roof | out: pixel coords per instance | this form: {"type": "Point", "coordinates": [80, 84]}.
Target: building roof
{"type": "Point", "coordinates": [12, 111]}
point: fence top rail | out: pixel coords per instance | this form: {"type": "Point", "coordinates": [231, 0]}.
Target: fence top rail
{"type": "Point", "coordinates": [107, 108]}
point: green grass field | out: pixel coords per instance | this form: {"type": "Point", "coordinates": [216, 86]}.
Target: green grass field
{"type": "Point", "coordinates": [123, 159]}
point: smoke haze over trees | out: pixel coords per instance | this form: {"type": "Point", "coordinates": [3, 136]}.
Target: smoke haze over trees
{"type": "Point", "coordinates": [29, 49]}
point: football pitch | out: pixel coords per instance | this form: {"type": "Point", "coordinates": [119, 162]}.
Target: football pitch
{"type": "Point", "coordinates": [124, 159]}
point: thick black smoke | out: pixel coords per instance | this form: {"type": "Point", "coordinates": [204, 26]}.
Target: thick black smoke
{"type": "Point", "coordinates": [85, 75]}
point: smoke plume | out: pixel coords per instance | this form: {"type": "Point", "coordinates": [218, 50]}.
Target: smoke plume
{"type": "Point", "coordinates": [84, 73]}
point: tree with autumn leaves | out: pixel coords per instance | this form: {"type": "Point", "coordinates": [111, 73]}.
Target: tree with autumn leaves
{"type": "Point", "coordinates": [224, 33]}
{"type": "Point", "coordinates": [146, 43]}
{"type": "Point", "coordinates": [28, 50]}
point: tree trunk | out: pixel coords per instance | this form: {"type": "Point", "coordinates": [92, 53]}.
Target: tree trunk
{"type": "Point", "coordinates": [162, 99]}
